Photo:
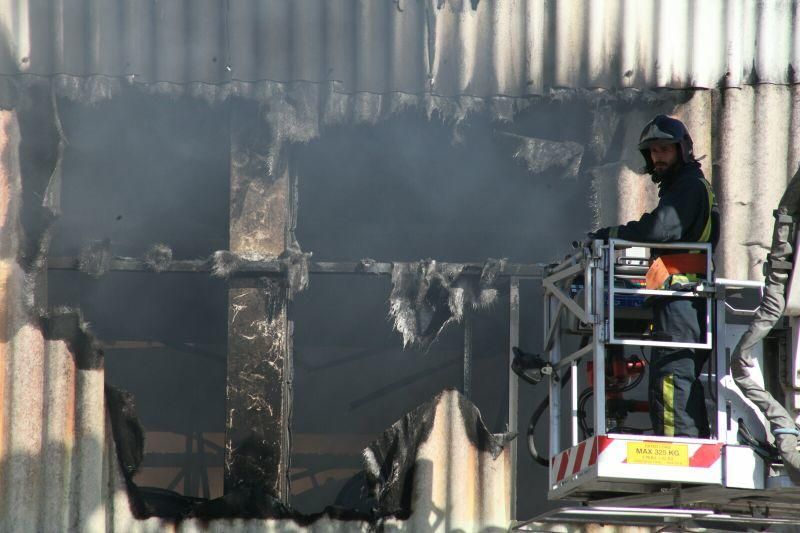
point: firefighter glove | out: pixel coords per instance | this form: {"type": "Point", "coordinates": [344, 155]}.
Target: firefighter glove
{"type": "Point", "coordinates": [604, 233]}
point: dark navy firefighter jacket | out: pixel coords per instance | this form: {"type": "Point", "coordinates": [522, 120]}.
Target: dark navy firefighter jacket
{"type": "Point", "coordinates": [686, 201]}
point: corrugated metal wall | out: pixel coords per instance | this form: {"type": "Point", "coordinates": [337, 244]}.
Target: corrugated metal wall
{"type": "Point", "coordinates": [446, 47]}
{"type": "Point", "coordinates": [751, 139]}
{"type": "Point", "coordinates": [757, 137]}
{"type": "Point", "coordinates": [51, 412]}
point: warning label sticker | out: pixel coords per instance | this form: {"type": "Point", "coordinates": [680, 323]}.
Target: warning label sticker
{"type": "Point", "coordinates": [658, 453]}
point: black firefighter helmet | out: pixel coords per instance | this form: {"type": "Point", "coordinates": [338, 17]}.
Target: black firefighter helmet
{"type": "Point", "coordinates": [665, 129]}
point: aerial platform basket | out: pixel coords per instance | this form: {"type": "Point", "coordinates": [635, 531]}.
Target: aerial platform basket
{"type": "Point", "coordinates": [605, 463]}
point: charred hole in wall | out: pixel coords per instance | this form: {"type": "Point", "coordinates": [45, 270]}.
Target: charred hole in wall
{"type": "Point", "coordinates": [141, 170]}
{"type": "Point", "coordinates": [353, 379]}
{"type": "Point", "coordinates": [406, 189]}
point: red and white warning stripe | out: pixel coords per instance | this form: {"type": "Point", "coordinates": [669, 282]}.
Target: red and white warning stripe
{"type": "Point", "coordinates": [578, 458]}
{"type": "Point", "coordinates": [615, 451]}
{"type": "Point", "coordinates": [705, 456]}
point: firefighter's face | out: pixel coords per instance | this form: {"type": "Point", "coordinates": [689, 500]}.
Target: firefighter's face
{"type": "Point", "coordinates": [664, 156]}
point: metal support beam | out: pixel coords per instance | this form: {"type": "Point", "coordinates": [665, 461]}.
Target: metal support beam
{"type": "Point", "coordinates": [513, 385]}
{"type": "Point", "coordinates": [554, 356]}
{"type": "Point", "coordinates": [550, 285]}
{"type": "Point", "coordinates": [573, 358]}
{"type": "Point", "coordinates": [599, 337]}
{"type": "Point", "coordinates": [256, 409]}
{"type": "Point", "coordinates": [257, 425]}
{"type": "Point", "coordinates": [272, 267]}
{"type": "Point", "coordinates": [554, 325]}
{"type": "Point", "coordinates": [467, 387]}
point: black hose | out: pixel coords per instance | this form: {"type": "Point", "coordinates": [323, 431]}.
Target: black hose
{"type": "Point", "coordinates": [588, 392]}
{"type": "Point", "coordinates": [586, 431]}
{"type": "Point", "coordinates": [537, 414]}
{"type": "Point", "coordinates": [767, 451]}
{"type": "Point", "coordinates": [630, 386]}
{"type": "Point", "coordinates": [540, 409]}
{"type": "Point", "coordinates": [584, 397]}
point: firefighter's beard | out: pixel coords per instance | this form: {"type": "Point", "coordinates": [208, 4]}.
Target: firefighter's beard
{"type": "Point", "coordinates": [663, 170]}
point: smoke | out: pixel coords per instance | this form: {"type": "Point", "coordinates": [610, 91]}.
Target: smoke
{"type": "Point", "coordinates": [142, 169]}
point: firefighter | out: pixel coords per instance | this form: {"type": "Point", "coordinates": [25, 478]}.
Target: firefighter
{"type": "Point", "coordinates": [686, 212]}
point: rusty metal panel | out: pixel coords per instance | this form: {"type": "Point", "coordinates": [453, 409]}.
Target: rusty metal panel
{"type": "Point", "coordinates": [52, 426]}
{"type": "Point", "coordinates": [442, 47]}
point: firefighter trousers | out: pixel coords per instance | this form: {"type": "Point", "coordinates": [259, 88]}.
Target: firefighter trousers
{"type": "Point", "coordinates": [675, 391]}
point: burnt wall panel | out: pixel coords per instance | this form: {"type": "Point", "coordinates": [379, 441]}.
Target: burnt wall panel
{"type": "Point", "coordinates": [256, 413]}
{"type": "Point", "coordinates": [257, 390]}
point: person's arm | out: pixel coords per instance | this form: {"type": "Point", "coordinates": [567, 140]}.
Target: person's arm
{"type": "Point", "coordinates": [673, 216]}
